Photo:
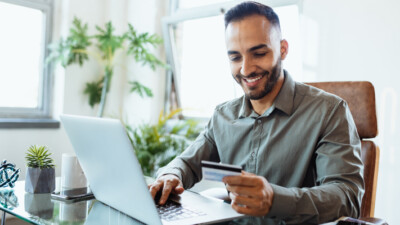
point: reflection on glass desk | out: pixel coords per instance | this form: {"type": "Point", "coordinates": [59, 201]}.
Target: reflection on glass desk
{"type": "Point", "coordinates": [42, 209]}
{"type": "Point", "coordinates": [103, 214]}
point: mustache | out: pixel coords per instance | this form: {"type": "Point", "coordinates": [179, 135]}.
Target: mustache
{"type": "Point", "coordinates": [252, 75]}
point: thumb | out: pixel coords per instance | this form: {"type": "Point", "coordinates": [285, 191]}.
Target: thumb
{"type": "Point", "coordinates": [247, 173]}
{"type": "Point", "coordinates": [179, 188]}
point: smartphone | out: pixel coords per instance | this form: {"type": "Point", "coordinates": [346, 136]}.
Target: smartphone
{"type": "Point", "coordinates": [73, 195]}
{"type": "Point", "coordinates": [352, 221]}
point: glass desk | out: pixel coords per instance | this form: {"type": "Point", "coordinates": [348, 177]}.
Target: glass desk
{"type": "Point", "coordinates": [42, 209]}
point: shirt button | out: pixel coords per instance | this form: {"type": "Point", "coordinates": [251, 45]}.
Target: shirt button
{"type": "Point", "coordinates": [258, 121]}
{"type": "Point", "coordinates": [253, 154]}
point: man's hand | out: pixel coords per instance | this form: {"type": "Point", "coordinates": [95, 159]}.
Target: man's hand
{"type": "Point", "coordinates": [251, 195]}
{"type": "Point", "coordinates": [167, 184]}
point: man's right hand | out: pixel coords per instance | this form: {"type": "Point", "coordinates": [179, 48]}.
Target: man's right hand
{"type": "Point", "coordinates": [167, 184]}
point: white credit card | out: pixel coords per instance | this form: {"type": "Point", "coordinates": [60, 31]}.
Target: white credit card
{"type": "Point", "coordinates": [216, 171]}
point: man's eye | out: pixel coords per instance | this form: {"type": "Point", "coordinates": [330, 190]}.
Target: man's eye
{"type": "Point", "coordinates": [261, 54]}
{"type": "Point", "coordinates": [235, 58]}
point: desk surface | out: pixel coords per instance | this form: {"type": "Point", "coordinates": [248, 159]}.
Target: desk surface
{"type": "Point", "coordinates": [41, 209]}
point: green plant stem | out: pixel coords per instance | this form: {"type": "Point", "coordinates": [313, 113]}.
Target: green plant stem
{"type": "Point", "coordinates": [75, 49]}
{"type": "Point", "coordinates": [106, 84]}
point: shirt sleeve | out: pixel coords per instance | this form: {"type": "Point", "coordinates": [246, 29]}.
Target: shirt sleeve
{"type": "Point", "coordinates": [339, 171]}
{"type": "Point", "coordinates": [187, 166]}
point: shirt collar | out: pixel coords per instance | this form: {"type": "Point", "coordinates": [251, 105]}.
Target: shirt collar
{"type": "Point", "coordinates": [246, 110]}
{"type": "Point", "coordinates": [284, 101]}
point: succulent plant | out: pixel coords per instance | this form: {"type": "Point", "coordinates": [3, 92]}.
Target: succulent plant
{"type": "Point", "coordinates": [39, 157]}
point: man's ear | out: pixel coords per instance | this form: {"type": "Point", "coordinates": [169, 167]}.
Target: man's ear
{"type": "Point", "coordinates": [284, 49]}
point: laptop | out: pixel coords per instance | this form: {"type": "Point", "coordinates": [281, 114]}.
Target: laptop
{"type": "Point", "coordinates": [116, 179]}
{"type": "Point", "coordinates": [102, 214]}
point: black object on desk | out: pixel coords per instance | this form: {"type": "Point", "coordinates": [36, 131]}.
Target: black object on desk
{"type": "Point", "coordinates": [73, 195]}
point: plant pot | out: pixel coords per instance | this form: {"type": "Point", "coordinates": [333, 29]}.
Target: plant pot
{"type": "Point", "coordinates": [40, 180]}
{"type": "Point", "coordinates": [39, 205]}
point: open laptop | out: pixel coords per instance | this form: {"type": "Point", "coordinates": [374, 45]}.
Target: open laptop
{"type": "Point", "coordinates": [115, 176]}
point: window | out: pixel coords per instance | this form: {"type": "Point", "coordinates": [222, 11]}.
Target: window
{"type": "Point", "coordinates": [195, 42]}
{"type": "Point", "coordinates": [24, 78]}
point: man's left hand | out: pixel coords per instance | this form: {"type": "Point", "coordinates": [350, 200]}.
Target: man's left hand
{"type": "Point", "coordinates": [251, 194]}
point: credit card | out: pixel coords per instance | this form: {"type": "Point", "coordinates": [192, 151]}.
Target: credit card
{"type": "Point", "coordinates": [216, 171]}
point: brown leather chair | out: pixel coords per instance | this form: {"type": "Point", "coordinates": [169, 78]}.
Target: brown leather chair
{"type": "Point", "coordinates": [360, 97]}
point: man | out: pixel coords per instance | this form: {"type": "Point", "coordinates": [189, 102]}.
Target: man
{"type": "Point", "coordinates": [298, 145]}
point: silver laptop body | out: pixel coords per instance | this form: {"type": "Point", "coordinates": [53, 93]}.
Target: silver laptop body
{"type": "Point", "coordinates": [115, 176]}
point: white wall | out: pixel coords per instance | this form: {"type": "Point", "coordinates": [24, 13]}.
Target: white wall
{"type": "Point", "coordinates": [359, 40]}
{"type": "Point", "coordinates": [69, 83]}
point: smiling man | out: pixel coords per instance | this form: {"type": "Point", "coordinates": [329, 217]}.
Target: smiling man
{"type": "Point", "coordinates": [298, 146]}
{"type": "Point", "coordinates": [255, 57]}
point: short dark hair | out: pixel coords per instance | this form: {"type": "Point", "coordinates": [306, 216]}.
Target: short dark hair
{"type": "Point", "coordinates": [250, 8]}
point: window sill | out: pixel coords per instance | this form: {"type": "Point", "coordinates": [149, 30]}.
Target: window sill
{"type": "Point", "coordinates": [29, 123]}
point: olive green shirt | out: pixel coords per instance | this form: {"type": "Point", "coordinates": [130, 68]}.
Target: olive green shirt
{"type": "Point", "coordinates": [306, 145]}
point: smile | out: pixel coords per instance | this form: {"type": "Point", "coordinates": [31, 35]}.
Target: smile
{"type": "Point", "coordinates": [253, 79]}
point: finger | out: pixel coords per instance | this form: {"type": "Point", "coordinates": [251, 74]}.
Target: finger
{"type": "Point", "coordinates": [243, 180]}
{"type": "Point", "coordinates": [247, 201]}
{"type": "Point", "coordinates": [155, 187]}
{"type": "Point", "coordinates": [243, 209]}
{"type": "Point", "coordinates": [165, 192]}
{"type": "Point", "coordinates": [243, 190]}
{"type": "Point", "coordinates": [247, 173]}
{"type": "Point", "coordinates": [179, 189]}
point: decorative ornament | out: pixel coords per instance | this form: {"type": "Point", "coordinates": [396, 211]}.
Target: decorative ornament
{"type": "Point", "coordinates": [8, 174]}
{"type": "Point", "coordinates": [8, 199]}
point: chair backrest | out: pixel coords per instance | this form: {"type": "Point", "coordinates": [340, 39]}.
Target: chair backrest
{"type": "Point", "coordinates": [360, 96]}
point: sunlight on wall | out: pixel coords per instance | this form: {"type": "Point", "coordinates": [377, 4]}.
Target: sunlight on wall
{"type": "Point", "coordinates": [388, 182]}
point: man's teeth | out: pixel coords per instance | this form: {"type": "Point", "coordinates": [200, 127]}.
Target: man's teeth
{"type": "Point", "coordinates": [253, 80]}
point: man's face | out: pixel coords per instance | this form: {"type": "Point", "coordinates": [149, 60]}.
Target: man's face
{"type": "Point", "coordinates": [255, 54]}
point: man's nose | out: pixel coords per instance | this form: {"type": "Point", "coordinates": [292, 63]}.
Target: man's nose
{"type": "Point", "coordinates": [248, 67]}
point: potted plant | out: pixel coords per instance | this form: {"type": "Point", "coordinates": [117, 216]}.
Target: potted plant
{"type": "Point", "coordinates": [40, 173]}
{"type": "Point", "coordinates": [156, 145]}
{"type": "Point", "coordinates": [104, 46]}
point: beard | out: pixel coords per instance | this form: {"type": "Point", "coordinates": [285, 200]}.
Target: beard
{"type": "Point", "coordinates": [269, 85]}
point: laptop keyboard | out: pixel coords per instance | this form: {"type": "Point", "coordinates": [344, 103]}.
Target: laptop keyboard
{"type": "Point", "coordinates": [171, 211]}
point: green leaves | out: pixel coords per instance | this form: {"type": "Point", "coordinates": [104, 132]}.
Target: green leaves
{"type": "Point", "coordinates": [79, 41]}
{"type": "Point", "coordinates": [73, 49]}
{"type": "Point", "coordinates": [78, 46]}
{"type": "Point", "coordinates": [156, 145]}
{"type": "Point", "coordinates": [39, 157]}
{"type": "Point", "coordinates": [108, 42]}
{"type": "Point", "coordinates": [139, 44]}
{"type": "Point", "coordinates": [140, 89]}
{"type": "Point", "coordinates": [93, 89]}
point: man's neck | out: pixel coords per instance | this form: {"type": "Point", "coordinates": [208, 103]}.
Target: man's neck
{"type": "Point", "coordinates": [263, 104]}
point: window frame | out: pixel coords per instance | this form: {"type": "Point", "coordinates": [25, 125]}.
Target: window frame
{"type": "Point", "coordinates": [180, 15]}
{"type": "Point", "coordinates": [12, 115]}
